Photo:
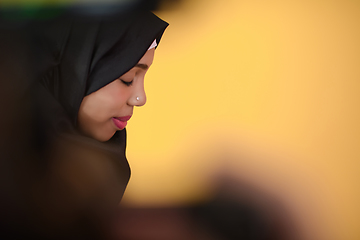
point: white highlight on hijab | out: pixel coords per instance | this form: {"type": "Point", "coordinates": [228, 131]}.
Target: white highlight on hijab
{"type": "Point", "coordinates": [153, 45]}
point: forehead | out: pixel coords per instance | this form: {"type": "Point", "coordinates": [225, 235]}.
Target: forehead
{"type": "Point", "coordinates": [148, 57]}
{"type": "Point", "coordinates": [144, 63]}
{"type": "Point", "coordinates": [146, 60]}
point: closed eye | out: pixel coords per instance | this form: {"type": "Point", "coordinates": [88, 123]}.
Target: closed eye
{"type": "Point", "coordinates": [127, 83]}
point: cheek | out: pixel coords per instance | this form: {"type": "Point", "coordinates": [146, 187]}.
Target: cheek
{"type": "Point", "coordinates": [105, 103]}
{"type": "Point", "coordinates": [114, 100]}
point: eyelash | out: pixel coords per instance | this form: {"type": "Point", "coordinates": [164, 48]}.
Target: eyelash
{"type": "Point", "coordinates": [127, 83]}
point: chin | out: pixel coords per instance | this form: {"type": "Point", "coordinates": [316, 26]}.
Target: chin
{"type": "Point", "coordinates": [103, 137]}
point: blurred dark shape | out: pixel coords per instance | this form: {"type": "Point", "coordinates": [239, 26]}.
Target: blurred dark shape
{"type": "Point", "coordinates": [235, 211]}
{"type": "Point", "coordinates": [230, 220]}
{"type": "Point", "coordinates": [238, 210]}
{"type": "Point", "coordinates": [154, 223]}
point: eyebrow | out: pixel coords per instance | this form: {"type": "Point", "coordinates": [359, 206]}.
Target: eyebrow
{"type": "Point", "coordinates": [142, 66]}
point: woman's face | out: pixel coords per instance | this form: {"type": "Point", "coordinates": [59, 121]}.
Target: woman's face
{"type": "Point", "coordinates": [107, 110]}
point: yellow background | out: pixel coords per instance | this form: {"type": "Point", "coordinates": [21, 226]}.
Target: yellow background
{"type": "Point", "coordinates": [266, 91]}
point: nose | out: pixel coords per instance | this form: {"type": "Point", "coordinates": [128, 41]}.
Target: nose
{"type": "Point", "coordinates": [138, 98]}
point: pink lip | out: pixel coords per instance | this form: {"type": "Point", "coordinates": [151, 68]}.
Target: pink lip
{"type": "Point", "coordinates": [121, 122]}
{"type": "Point", "coordinates": [123, 119]}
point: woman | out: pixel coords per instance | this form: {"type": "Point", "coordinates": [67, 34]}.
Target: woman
{"type": "Point", "coordinates": [99, 75]}
{"type": "Point", "coordinates": [87, 75]}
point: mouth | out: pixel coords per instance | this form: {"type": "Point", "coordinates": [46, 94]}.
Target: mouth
{"type": "Point", "coordinates": [121, 122]}
{"type": "Point", "coordinates": [123, 119]}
